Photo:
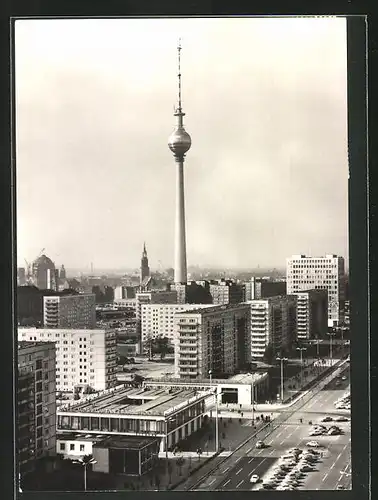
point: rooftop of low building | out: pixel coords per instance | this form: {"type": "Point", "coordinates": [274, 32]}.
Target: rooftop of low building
{"type": "Point", "coordinates": [209, 308]}
{"type": "Point", "coordinates": [125, 442]}
{"type": "Point", "coordinates": [135, 401]}
{"type": "Point", "coordinates": [25, 344]}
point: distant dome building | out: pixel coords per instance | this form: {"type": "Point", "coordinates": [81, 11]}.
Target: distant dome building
{"type": "Point", "coordinates": [43, 273]}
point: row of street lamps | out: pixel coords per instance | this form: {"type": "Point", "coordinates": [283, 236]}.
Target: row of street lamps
{"type": "Point", "coordinates": [282, 360]}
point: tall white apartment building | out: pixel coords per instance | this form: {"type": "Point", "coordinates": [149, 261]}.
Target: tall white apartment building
{"type": "Point", "coordinates": [213, 338]}
{"type": "Point", "coordinates": [273, 322]}
{"type": "Point", "coordinates": [306, 273]}
{"type": "Point", "coordinates": [159, 320]}
{"type": "Point", "coordinates": [36, 402]}
{"type": "Point", "coordinates": [70, 311]}
{"type": "Point", "coordinates": [312, 314]}
{"type": "Point", "coordinates": [152, 297]}
{"type": "Point", "coordinates": [83, 357]}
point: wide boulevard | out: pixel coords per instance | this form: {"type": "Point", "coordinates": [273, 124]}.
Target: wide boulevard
{"type": "Point", "coordinates": [332, 471]}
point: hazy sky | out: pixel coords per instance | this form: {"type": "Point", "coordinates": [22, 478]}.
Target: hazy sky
{"type": "Point", "coordinates": [265, 103]}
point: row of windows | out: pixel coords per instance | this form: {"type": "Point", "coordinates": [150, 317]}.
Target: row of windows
{"type": "Point", "coordinates": [74, 369]}
{"type": "Point", "coordinates": [72, 447]}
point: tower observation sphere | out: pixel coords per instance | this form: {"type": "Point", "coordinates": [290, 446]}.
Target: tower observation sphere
{"type": "Point", "coordinates": [179, 141]}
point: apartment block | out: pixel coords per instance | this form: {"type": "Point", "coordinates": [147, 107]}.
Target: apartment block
{"type": "Point", "coordinates": [261, 288]}
{"type": "Point", "coordinates": [312, 314]}
{"type": "Point", "coordinates": [213, 338]}
{"type": "Point", "coordinates": [328, 273]}
{"type": "Point", "coordinates": [272, 322]}
{"type": "Point", "coordinates": [83, 357]}
{"type": "Point", "coordinates": [159, 320]}
{"type": "Point", "coordinates": [70, 311]}
{"type": "Point", "coordinates": [124, 292]}
{"type": "Point", "coordinates": [226, 292]}
{"type": "Point", "coordinates": [36, 403]}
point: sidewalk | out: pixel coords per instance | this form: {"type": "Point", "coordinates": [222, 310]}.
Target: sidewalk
{"type": "Point", "coordinates": [265, 431]}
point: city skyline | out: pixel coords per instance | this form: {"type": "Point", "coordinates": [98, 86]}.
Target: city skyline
{"type": "Point", "coordinates": [95, 178]}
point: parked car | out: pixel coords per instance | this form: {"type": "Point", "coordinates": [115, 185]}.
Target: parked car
{"type": "Point", "coordinates": [333, 432]}
{"type": "Point", "coordinates": [326, 419]}
{"type": "Point", "coordinates": [260, 444]}
{"type": "Point", "coordinates": [341, 419]}
{"type": "Point", "coordinates": [314, 444]}
{"type": "Point", "coordinates": [254, 479]}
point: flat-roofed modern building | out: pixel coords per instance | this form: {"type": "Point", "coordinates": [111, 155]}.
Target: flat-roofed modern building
{"type": "Point", "coordinates": [83, 357]}
{"type": "Point", "coordinates": [214, 338]}
{"type": "Point", "coordinates": [70, 311]}
{"type": "Point", "coordinates": [261, 288]}
{"type": "Point", "coordinates": [273, 323]}
{"type": "Point", "coordinates": [226, 292]}
{"type": "Point", "coordinates": [36, 403]}
{"type": "Point", "coordinates": [233, 390]}
{"type": "Point", "coordinates": [170, 415]}
{"type": "Point", "coordinates": [152, 297]}
{"type": "Point", "coordinates": [312, 314]}
{"type": "Point", "coordinates": [129, 455]}
{"type": "Point", "coordinates": [126, 303]}
{"type": "Point", "coordinates": [159, 320]}
{"type": "Point", "coordinates": [124, 292]}
{"type": "Point", "coordinates": [307, 273]}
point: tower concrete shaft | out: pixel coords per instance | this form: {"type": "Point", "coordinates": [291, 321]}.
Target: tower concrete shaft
{"type": "Point", "coordinates": [180, 235]}
{"type": "Point", "coordinates": [179, 143]}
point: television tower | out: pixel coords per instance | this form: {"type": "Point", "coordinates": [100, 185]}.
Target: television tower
{"type": "Point", "coordinates": [179, 143]}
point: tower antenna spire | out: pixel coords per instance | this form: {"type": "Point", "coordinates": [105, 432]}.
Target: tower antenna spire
{"type": "Point", "coordinates": [179, 74]}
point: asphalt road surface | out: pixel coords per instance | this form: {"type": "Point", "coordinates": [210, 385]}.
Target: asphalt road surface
{"type": "Point", "coordinates": [333, 469]}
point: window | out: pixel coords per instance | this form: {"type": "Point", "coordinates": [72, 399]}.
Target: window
{"type": "Point", "coordinates": [72, 447]}
{"type": "Point", "coordinates": [82, 447]}
{"type": "Point", "coordinates": [62, 446]}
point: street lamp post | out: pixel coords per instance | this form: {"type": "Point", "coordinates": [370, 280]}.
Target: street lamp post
{"type": "Point", "coordinates": [301, 349]}
{"type": "Point", "coordinates": [331, 335]}
{"type": "Point", "coordinates": [85, 463]}
{"type": "Point", "coordinates": [253, 399]}
{"type": "Point", "coordinates": [216, 413]}
{"type": "Point", "coordinates": [282, 376]}
{"type": "Point", "coordinates": [166, 442]}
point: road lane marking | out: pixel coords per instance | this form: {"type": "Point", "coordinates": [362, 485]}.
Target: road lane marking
{"type": "Point", "coordinates": [241, 482]}
{"type": "Point", "coordinates": [325, 477]}
{"type": "Point", "coordinates": [237, 460]}
{"type": "Point", "coordinates": [252, 459]}
{"type": "Point", "coordinates": [226, 483]}
{"type": "Point", "coordinates": [239, 471]}
{"type": "Point", "coordinates": [248, 451]}
{"type": "Point", "coordinates": [212, 482]}
{"type": "Point", "coordinates": [225, 470]}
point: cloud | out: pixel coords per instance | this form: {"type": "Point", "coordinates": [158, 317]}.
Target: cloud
{"type": "Point", "coordinates": [266, 108]}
